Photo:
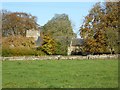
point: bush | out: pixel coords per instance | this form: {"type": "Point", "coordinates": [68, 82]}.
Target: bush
{"type": "Point", "coordinates": [21, 51]}
{"type": "Point", "coordinates": [19, 46]}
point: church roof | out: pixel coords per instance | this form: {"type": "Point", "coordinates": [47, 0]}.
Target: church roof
{"type": "Point", "coordinates": [77, 41]}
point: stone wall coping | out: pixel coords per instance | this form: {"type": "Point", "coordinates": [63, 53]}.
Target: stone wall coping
{"type": "Point", "coordinates": [60, 57]}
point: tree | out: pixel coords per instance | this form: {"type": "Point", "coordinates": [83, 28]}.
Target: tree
{"type": "Point", "coordinates": [16, 23]}
{"type": "Point", "coordinates": [89, 45]}
{"type": "Point", "coordinates": [112, 25]}
{"type": "Point", "coordinates": [101, 25]}
{"type": "Point", "coordinates": [59, 27]}
{"type": "Point", "coordinates": [92, 30]}
{"type": "Point", "coordinates": [48, 45]}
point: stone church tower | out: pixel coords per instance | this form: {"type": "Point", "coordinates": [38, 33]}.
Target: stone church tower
{"type": "Point", "coordinates": [33, 33]}
{"type": "Point", "coordinates": [36, 35]}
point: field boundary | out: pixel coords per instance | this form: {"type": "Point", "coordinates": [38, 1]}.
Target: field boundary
{"type": "Point", "coordinates": [59, 57]}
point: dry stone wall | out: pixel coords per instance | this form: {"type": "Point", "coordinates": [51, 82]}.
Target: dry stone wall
{"type": "Point", "coordinates": [59, 57]}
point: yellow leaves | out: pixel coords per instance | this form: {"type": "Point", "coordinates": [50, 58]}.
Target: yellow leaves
{"type": "Point", "coordinates": [48, 44]}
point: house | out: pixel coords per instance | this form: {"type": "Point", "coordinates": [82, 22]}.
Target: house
{"type": "Point", "coordinates": [75, 46]}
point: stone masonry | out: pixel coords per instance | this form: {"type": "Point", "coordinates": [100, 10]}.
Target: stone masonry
{"type": "Point", "coordinates": [59, 57]}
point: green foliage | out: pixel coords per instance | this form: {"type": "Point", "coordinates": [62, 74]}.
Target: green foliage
{"type": "Point", "coordinates": [59, 25]}
{"type": "Point", "coordinates": [60, 29]}
{"type": "Point", "coordinates": [16, 51]}
{"type": "Point", "coordinates": [22, 51]}
{"type": "Point", "coordinates": [59, 49]}
{"type": "Point", "coordinates": [113, 40]}
{"type": "Point", "coordinates": [19, 46]}
{"type": "Point", "coordinates": [112, 25]}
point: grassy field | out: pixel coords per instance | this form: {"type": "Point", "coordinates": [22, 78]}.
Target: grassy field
{"type": "Point", "coordinates": [60, 74]}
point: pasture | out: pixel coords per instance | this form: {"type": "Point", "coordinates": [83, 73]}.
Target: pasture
{"type": "Point", "coordinates": [60, 74]}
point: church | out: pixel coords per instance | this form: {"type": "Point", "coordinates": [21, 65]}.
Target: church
{"type": "Point", "coordinates": [75, 46]}
{"type": "Point", "coordinates": [36, 35]}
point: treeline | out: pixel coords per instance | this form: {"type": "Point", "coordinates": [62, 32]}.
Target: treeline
{"type": "Point", "coordinates": [100, 29]}
{"type": "Point", "coordinates": [55, 35]}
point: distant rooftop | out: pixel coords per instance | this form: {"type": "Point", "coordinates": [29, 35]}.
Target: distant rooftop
{"type": "Point", "coordinates": [77, 41]}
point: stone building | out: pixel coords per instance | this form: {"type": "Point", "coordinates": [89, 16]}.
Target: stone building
{"type": "Point", "coordinates": [75, 46]}
{"type": "Point", "coordinates": [36, 35]}
{"type": "Point", "coordinates": [33, 33]}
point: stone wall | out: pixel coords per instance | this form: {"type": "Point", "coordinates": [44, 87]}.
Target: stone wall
{"type": "Point", "coordinates": [59, 57]}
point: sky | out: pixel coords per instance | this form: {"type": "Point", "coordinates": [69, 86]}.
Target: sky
{"type": "Point", "coordinates": [44, 11]}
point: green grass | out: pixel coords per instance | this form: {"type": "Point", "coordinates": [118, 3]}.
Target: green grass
{"type": "Point", "coordinates": [60, 74]}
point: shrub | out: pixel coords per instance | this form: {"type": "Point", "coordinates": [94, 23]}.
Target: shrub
{"type": "Point", "coordinates": [19, 46]}
{"type": "Point", "coordinates": [21, 52]}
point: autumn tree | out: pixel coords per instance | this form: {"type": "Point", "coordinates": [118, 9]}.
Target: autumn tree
{"type": "Point", "coordinates": [101, 26]}
{"type": "Point", "coordinates": [92, 29]}
{"type": "Point", "coordinates": [16, 23]}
